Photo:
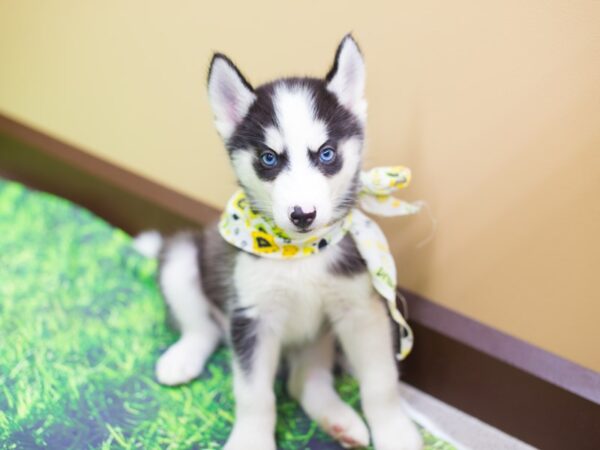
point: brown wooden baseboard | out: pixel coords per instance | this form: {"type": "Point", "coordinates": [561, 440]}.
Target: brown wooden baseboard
{"type": "Point", "coordinates": [123, 198]}
{"type": "Point", "coordinates": [534, 395]}
{"type": "Point", "coordinates": [531, 394]}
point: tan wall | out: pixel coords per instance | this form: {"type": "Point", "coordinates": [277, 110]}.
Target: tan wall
{"type": "Point", "coordinates": [495, 106]}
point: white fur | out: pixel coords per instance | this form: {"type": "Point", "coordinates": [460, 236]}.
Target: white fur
{"type": "Point", "coordinates": [229, 97]}
{"type": "Point", "coordinates": [301, 184]}
{"type": "Point", "coordinates": [180, 283]}
{"type": "Point", "coordinates": [293, 298]}
{"type": "Point", "coordinates": [148, 243]}
{"type": "Point", "coordinates": [274, 139]}
{"type": "Point", "coordinates": [364, 331]}
{"type": "Point", "coordinates": [296, 119]}
{"type": "Point", "coordinates": [311, 383]}
{"type": "Point", "coordinates": [261, 192]}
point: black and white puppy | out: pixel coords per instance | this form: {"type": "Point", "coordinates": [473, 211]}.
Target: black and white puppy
{"type": "Point", "coordinates": [295, 145]}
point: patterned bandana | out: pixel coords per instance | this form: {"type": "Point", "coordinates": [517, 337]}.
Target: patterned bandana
{"type": "Point", "coordinates": [259, 235]}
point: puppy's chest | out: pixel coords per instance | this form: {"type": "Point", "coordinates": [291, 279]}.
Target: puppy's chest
{"type": "Point", "coordinates": [295, 295]}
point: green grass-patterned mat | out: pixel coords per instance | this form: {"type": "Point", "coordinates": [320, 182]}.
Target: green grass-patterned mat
{"type": "Point", "coordinates": [81, 325]}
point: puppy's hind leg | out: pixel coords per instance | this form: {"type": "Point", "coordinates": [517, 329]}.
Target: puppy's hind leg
{"type": "Point", "coordinates": [311, 383]}
{"type": "Point", "coordinates": [181, 286]}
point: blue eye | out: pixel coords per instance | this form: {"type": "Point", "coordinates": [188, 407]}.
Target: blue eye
{"type": "Point", "coordinates": [327, 155]}
{"type": "Point", "coordinates": [269, 159]}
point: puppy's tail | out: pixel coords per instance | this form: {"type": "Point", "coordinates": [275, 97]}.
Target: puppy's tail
{"type": "Point", "coordinates": [148, 243]}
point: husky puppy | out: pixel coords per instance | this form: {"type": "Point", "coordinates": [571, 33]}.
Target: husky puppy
{"type": "Point", "coordinates": [295, 145]}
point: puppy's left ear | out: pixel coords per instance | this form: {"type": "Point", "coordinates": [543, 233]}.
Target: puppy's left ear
{"type": "Point", "coordinates": [346, 79]}
{"type": "Point", "coordinates": [229, 93]}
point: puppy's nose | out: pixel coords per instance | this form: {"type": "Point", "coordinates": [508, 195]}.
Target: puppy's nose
{"type": "Point", "coordinates": [301, 218]}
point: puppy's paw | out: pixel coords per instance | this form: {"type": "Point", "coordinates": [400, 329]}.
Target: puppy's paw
{"type": "Point", "coordinates": [345, 425]}
{"type": "Point", "coordinates": [395, 431]}
{"type": "Point", "coordinates": [242, 438]}
{"type": "Point", "coordinates": [182, 362]}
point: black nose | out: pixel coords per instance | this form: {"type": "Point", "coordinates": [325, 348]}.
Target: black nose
{"type": "Point", "coordinates": [301, 218]}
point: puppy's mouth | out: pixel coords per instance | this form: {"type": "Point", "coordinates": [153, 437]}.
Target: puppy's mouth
{"type": "Point", "coordinates": [300, 233]}
{"type": "Point", "coordinates": [294, 231]}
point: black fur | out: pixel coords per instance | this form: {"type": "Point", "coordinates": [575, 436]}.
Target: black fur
{"type": "Point", "coordinates": [249, 134]}
{"type": "Point", "coordinates": [396, 329]}
{"type": "Point", "coordinates": [349, 261]}
{"type": "Point", "coordinates": [217, 263]}
{"type": "Point", "coordinates": [216, 260]}
{"type": "Point", "coordinates": [243, 338]}
{"type": "Point", "coordinates": [341, 123]}
{"type": "Point", "coordinates": [348, 201]}
{"type": "Point", "coordinates": [215, 279]}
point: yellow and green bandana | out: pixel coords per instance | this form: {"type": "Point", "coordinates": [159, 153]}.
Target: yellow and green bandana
{"type": "Point", "coordinates": [256, 234]}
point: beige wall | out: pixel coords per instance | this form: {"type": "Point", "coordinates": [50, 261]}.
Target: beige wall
{"type": "Point", "coordinates": [495, 106]}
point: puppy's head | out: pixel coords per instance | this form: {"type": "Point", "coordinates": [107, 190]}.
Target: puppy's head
{"type": "Point", "coordinates": [296, 143]}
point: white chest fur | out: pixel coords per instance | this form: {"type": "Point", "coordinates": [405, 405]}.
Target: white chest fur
{"type": "Point", "coordinates": [293, 297]}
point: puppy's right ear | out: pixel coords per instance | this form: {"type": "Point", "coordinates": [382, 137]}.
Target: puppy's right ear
{"type": "Point", "coordinates": [229, 93]}
{"type": "Point", "coordinates": [346, 79]}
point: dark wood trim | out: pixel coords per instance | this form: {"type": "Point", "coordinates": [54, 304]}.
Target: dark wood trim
{"type": "Point", "coordinates": [530, 393]}
{"type": "Point", "coordinates": [120, 196]}
{"type": "Point", "coordinates": [540, 363]}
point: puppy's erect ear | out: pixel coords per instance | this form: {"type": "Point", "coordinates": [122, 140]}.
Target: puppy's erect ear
{"type": "Point", "coordinates": [346, 79]}
{"type": "Point", "coordinates": [229, 93]}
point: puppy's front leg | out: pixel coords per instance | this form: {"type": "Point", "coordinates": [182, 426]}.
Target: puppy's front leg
{"type": "Point", "coordinates": [365, 334]}
{"type": "Point", "coordinates": [256, 350]}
